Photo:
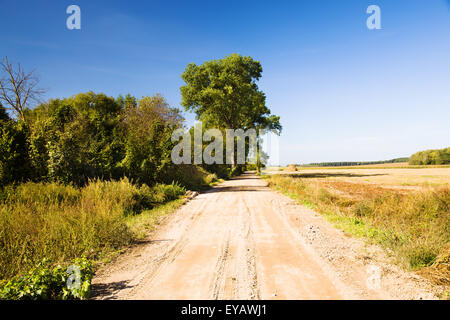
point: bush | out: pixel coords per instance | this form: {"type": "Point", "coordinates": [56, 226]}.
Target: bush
{"type": "Point", "coordinates": [129, 198]}
{"type": "Point", "coordinates": [14, 149]}
{"type": "Point", "coordinates": [168, 192]}
{"type": "Point", "coordinates": [237, 170]}
{"type": "Point", "coordinates": [219, 170]}
{"type": "Point", "coordinates": [45, 282]}
{"type": "Point", "coordinates": [191, 177]}
{"type": "Point", "coordinates": [430, 157]}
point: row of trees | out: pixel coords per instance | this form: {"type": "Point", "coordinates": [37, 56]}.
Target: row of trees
{"type": "Point", "coordinates": [89, 136]}
{"type": "Point", "coordinates": [353, 163]}
{"type": "Point", "coordinates": [441, 156]}
{"type": "Point", "coordinates": [92, 135]}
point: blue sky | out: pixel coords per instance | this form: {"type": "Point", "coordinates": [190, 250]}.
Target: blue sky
{"type": "Point", "coordinates": [343, 92]}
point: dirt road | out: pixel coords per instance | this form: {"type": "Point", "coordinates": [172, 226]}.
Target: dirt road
{"type": "Point", "coordinates": [241, 240]}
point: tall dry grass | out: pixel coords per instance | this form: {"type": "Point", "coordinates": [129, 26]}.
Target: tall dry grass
{"type": "Point", "coordinates": [415, 226]}
{"type": "Point", "coordinates": [48, 220]}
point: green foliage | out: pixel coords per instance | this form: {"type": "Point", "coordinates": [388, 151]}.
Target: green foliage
{"type": "Point", "coordinates": [45, 282]}
{"type": "Point", "coordinates": [149, 126]}
{"type": "Point", "coordinates": [421, 257]}
{"type": "Point", "coordinates": [237, 170]}
{"type": "Point", "coordinates": [76, 139]}
{"type": "Point", "coordinates": [224, 94]}
{"type": "Point", "coordinates": [93, 136]}
{"type": "Point", "coordinates": [133, 199]}
{"type": "Point", "coordinates": [48, 194]}
{"type": "Point", "coordinates": [168, 192]}
{"type": "Point", "coordinates": [192, 177]}
{"type": "Point", "coordinates": [89, 136]}
{"type": "Point", "coordinates": [221, 171]}
{"type": "Point", "coordinates": [428, 157]}
{"type": "Point", "coordinates": [14, 152]}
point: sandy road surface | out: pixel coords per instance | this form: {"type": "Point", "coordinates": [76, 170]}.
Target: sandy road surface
{"type": "Point", "coordinates": [241, 240]}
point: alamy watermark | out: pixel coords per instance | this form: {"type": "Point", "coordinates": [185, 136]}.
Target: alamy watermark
{"type": "Point", "coordinates": [74, 20]}
{"type": "Point", "coordinates": [374, 20]}
{"type": "Point", "coordinates": [74, 279]}
{"type": "Point", "coordinates": [241, 146]}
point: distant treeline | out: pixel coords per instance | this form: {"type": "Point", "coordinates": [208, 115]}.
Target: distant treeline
{"type": "Point", "coordinates": [441, 156]}
{"type": "Point", "coordinates": [346, 163]}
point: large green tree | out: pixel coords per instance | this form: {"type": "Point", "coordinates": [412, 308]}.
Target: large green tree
{"type": "Point", "coordinates": [224, 94]}
{"type": "Point", "coordinates": [77, 138]}
{"type": "Point", "coordinates": [149, 125]}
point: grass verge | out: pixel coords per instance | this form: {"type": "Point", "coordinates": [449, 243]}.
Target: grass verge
{"type": "Point", "coordinates": [414, 227]}
{"type": "Point", "coordinates": [47, 227]}
{"type": "Point", "coordinates": [59, 223]}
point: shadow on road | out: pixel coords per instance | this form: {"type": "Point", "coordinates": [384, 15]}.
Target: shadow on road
{"type": "Point", "coordinates": [108, 290]}
{"type": "Point", "coordinates": [245, 177]}
{"type": "Point", "coordinates": [238, 189]}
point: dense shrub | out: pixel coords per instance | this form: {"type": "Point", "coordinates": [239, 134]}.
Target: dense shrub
{"type": "Point", "coordinates": [237, 170]}
{"type": "Point", "coordinates": [14, 152]}
{"type": "Point", "coordinates": [430, 157]}
{"type": "Point", "coordinates": [191, 176]}
{"type": "Point", "coordinates": [168, 192]}
{"type": "Point", "coordinates": [46, 282]}
{"type": "Point", "coordinates": [90, 136]}
{"type": "Point", "coordinates": [148, 145]}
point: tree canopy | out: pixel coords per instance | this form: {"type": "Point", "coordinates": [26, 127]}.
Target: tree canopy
{"type": "Point", "coordinates": [224, 94]}
{"type": "Point", "coordinates": [440, 156]}
{"type": "Point", "coordinates": [89, 136]}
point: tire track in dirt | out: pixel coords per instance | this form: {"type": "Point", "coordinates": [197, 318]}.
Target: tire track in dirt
{"type": "Point", "coordinates": [285, 270]}
{"type": "Point", "coordinates": [249, 256]}
{"type": "Point", "coordinates": [217, 284]}
{"type": "Point", "coordinates": [242, 240]}
{"type": "Point", "coordinates": [182, 267]}
{"type": "Point", "coordinates": [236, 277]}
{"type": "Point", "coordinates": [153, 261]}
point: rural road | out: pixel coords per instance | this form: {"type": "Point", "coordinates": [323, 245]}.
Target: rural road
{"type": "Point", "coordinates": [242, 240]}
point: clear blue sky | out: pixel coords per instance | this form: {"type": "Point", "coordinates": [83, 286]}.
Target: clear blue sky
{"type": "Point", "coordinates": [343, 92]}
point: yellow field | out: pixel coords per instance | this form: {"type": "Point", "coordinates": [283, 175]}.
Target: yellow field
{"type": "Point", "coordinates": [406, 210]}
{"type": "Point", "coordinates": [394, 176]}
